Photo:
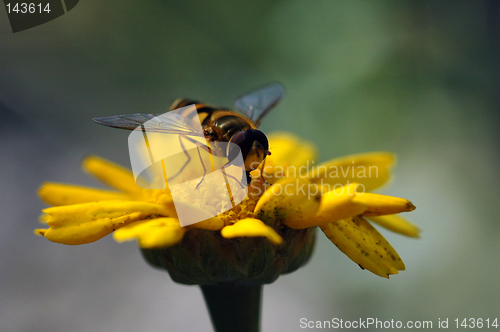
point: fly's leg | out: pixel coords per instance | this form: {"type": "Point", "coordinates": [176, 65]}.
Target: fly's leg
{"type": "Point", "coordinates": [187, 161]}
{"type": "Point", "coordinates": [198, 145]}
{"type": "Point", "coordinates": [240, 182]}
{"type": "Point", "coordinates": [231, 195]}
{"type": "Point", "coordinates": [262, 173]}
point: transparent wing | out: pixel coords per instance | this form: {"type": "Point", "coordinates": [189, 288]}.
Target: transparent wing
{"type": "Point", "coordinates": [256, 104]}
{"type": "Point", "coordinates": [169, 123]}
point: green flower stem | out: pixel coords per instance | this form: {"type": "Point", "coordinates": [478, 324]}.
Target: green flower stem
{"type": "Point", "coordinates": [233, 307]}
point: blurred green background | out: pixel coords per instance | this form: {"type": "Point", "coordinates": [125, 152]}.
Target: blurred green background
{"type": "Point", "coordinates": [419, 78]}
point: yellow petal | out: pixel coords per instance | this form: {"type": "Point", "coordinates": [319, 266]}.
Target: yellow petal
{"type": "Point", "coordinates": [292, 201]}
{"type": "Point", "coordinates": [338, 204]}
{"type": "Point", "coordinates": [40, 231]}
{"type": "Point", "coordinates": [43, 218]}
{"type": "Point", "coordinates": [289, 154]}
{"type": "Point", "coordinates": [252, 228]}
{"type": "Point", "coordinates": [111, 174]}
{"type": "Point", "coordinates": [88, 222]}
{"type": "Point", "coordinates": [65, 194]}
{"type": "Point", "coordinates": [372, 170]}
{"type": "Point", "coordinates": [152, 233]}
{"type": "Point", "coordinates": [397, 224]}
{"type": "Point", "coordinates": [364, 245]}
{"type": "Point", "coordinates": [377, 205]}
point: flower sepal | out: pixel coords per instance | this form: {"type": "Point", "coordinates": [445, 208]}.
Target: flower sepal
{"type": "Point", "coordinates": [206, 257]}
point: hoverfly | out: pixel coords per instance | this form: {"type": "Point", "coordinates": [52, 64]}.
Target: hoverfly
{"type": "Point", "coordinates": [218, 125]}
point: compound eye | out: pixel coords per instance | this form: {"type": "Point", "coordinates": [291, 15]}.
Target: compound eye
{"type": "Point", "coordinates": [237, 144]}
{"type": "Point", "coordinates": [245, 141]}
{"type": "Point", "coordinates": [260, 137]}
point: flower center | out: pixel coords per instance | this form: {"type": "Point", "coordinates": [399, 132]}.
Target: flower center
{"type": "Point", "coordinates": [214, 202]}
{"type": "Point", "coordinates": [243, 210]}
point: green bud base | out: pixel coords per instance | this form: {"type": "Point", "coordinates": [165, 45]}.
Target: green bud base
{"type": "Point", "coordinates": [205, 257]}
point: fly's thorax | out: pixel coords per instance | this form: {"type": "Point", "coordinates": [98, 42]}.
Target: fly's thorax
{"type": "Point", "coordinates": [228, 125]}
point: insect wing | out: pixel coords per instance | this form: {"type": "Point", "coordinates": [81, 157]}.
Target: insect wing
{"type": "Point", "coordinates": [164, 145]}
{"type": "Point", "coordinates": [168, 123]}
{"type": "Point", "coordinates": [256, 104]}
{"type": "Point", "coordinates": [126, 121]}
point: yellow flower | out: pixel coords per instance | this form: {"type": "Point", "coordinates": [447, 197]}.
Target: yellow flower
{"type": "Point", "coordinates": [271, 232]}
